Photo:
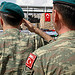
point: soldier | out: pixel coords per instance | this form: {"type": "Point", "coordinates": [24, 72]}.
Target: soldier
{"type": "Point", "coordinates": [57, 58]}
{"type": "Point", "coordinates": [15, 46]}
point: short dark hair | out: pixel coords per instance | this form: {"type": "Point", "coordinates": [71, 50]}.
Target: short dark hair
{"type": "Point", "coordinates": [13, 20]}
{"type": "Point", "coordinates": [68, 14]}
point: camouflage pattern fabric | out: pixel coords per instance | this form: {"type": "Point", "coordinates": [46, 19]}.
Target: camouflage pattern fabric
{"type": "Point", "coordinates": [57, 58]}
{"type": "Point", "coordinates": [15, 47]}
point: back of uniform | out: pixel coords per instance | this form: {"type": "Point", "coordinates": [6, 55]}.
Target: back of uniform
{"type": "Point", "coordinates": [15, 47]}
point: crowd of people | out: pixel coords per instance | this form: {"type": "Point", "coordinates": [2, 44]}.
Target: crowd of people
{"type": "Point", "coordinates": [20, 53]}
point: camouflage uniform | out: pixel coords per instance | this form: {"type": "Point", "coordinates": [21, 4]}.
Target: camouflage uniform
{"type": "Point", "coordinates": [15, 47]}
{"type": "Point", "coordinates": [57, 58]}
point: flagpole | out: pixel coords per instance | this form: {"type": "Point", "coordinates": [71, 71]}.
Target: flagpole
{"type": "Point", "coordinates": [27, 12]}
{"type": "Point", "coordinates": [45, 7]}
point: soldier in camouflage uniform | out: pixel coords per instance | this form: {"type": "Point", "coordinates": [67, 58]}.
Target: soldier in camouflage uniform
{"type": "Point", "coordinates": [57, 58]}
{"type": "Point", "coordinates": [15, 46]}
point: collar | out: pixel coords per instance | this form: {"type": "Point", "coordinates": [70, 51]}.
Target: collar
{"type": "Point", "coordinates": [12, 30]}
{"type": "Point", "coordinates": [68, 34]}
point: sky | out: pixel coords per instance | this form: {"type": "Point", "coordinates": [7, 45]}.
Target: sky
{"type": "Point", "coordinates": [31, 2]}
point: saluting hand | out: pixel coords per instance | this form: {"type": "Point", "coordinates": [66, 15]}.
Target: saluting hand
{"type": "Point", "coordinates": [28, 25]}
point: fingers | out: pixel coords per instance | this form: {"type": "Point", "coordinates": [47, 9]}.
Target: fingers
{"type": "Point", "coordinates": [27, 23]}
{"type": "Point", "coordinates": [24, 21]}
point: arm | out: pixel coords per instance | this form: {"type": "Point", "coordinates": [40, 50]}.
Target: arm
{"type": "Point", "coordinates": [37, 30]}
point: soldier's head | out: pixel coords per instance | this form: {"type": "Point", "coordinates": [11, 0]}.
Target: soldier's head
{"type": "Point", "coordinates": [11, 14]}
{"type": "Point", "coordinates": [64, 11]}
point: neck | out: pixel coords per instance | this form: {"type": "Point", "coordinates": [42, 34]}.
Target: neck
{"type": "Point", "coordinates": [5, 27]}
{"type": "Point", "coordinates": [64, 29]}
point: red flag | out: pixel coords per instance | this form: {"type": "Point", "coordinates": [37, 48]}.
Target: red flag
{"type": "Point", "coordinates": [47, 17]}
{"type": "Point", "coordinates": [30, 60]}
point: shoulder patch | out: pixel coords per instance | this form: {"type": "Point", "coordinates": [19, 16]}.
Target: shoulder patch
{"type": "Point", "coordinates": [30, 60]}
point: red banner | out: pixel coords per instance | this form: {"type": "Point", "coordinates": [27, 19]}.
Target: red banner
{"type": "Point", "coordinates": [30, 60]}
{"type": "Point", "coordinates": [47, 17]}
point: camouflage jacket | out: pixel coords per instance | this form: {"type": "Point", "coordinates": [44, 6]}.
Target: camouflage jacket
{"type": "Point", "coordinates": [15, 47]}
{"type": "Point", "coordinates": [57, 58]}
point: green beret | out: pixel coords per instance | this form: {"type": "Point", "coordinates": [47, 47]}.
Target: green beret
{"type": "Point", "coordinates": [11, 8]}
{"type": "Point", "coordinates": [65, 1]}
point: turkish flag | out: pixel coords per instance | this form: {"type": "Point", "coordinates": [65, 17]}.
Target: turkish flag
{"type": "Point", "coordinates": [47, 17]}
{"type": "Point", "coordinates": [30, 60]}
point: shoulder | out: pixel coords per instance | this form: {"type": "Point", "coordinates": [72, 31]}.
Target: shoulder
{"type": "Point", "coordinates": [49, 47]}
{"type": "Point", "coordinates": [58, 45]}
{"type": "Point", "coordinates": [56, 51]}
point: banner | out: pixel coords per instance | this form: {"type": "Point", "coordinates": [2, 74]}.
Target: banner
{"type": "Point", "coordinates": [47, 17]}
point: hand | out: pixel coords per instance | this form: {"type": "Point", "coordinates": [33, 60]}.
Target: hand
{"type": "Point", "coordinates": [28, 25]}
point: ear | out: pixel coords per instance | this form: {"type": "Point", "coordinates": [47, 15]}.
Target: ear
{"type": "Point", "coordinates": [56, 16]}
{"type": "Point", "coordinates": [1, 21]}
{"type": "Point", "coordinates": [20, 22]}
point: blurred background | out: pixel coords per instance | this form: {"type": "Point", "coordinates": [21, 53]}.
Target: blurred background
{"type": "Point", "coordinates": [39, 13]}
